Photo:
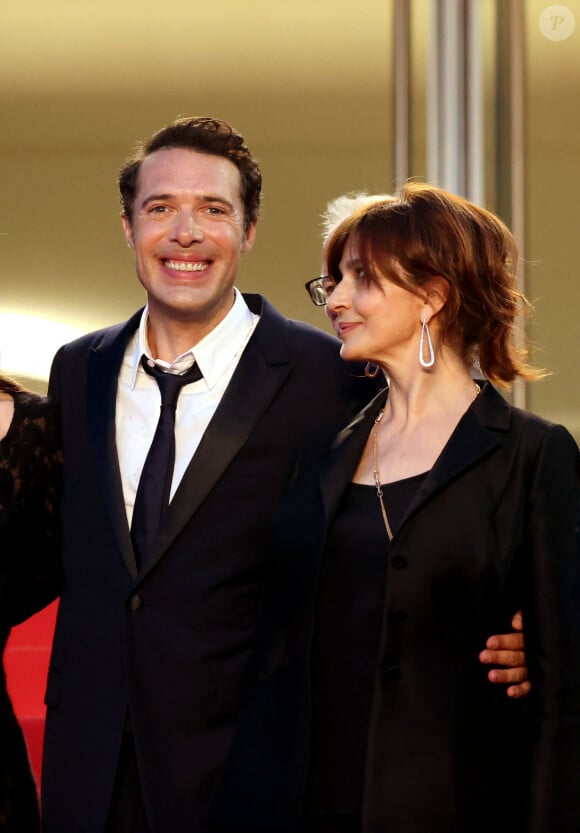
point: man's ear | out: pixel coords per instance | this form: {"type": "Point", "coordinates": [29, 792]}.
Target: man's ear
{"type": "Point", "coordinates": [249, 238]}
{"type": "Point", "coordinates": [128, 230]}
{"type": "Point", "coordinates": [435, 293]}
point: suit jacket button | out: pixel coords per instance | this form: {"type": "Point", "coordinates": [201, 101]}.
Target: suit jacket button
{"type": "Point", "coordinates": [136, 602]}
{"type": "Point", "coordinates": [399, 562]}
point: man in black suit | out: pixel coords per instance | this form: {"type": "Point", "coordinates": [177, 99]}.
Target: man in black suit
{"type": "Point", "coordinates": [149, 663]}
{"type": "Point", "coordinates": [155, 635]}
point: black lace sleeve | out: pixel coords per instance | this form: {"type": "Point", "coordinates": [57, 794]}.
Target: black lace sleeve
{"type": "Point", "coordinates": [30, 483]}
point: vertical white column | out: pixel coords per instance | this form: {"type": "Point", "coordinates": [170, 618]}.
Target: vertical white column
{"type": "Point", "coordinates": [433, 86]}
{"type": "Point", "coordinates": [455, 127]}
{"type": "Point", "coordinates": [401, 91]}
{"type": "Point", "coordinates": [474, 117]}
{"type": "Point", "coordinates": [453, 96]}
{"type": "Point", "coordinates": [455, 113]}
{"type": "Point", "coordinates": [517, 161]}
{"type": "Point", "coordinates": [446, 100]}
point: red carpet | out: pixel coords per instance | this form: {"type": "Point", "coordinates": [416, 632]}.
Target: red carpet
{"type": "Point", "coordinates": [26, 661]}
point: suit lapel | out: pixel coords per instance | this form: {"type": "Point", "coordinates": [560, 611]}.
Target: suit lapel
{"type": "Point", "coordinates": [104, 362]}
{"type": "Point", "coordinates": [243, 403]}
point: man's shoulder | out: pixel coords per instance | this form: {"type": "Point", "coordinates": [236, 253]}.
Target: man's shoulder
{"type": "Point", "coordinates": [104, 335]}
{"type": "Point", "coordinates": [275, 322]}
{"type": "Point", "coordinates": [313, 335]}
{"type": "Point", "coordinates": [313, 353]}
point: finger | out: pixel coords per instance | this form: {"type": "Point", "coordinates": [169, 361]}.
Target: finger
{"type": "Point", "coordinates": [511, 659]}
{"type": "Point", "coordinates": [506, 642]}
{"type": "Point", "coordinates": [520, 690]}
{"type": "Point", "coordinates": [509, 676]}
{"type": "Point", "coordinates": [517, 621]}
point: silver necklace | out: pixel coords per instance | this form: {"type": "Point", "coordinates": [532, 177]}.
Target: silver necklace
{"type": "Point", "coordinates": [377, 476]}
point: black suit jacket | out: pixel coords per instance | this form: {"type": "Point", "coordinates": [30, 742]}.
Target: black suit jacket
{"type": "Point", "coordinates": [171, 644]}
{"type": "Point", "coordinates": [493, 528]}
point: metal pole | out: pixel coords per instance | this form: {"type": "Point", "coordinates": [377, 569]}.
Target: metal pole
{"type": "Point", "coordinates": [518, 158]}
{"type": "Point", "coordinates": [401, 90]}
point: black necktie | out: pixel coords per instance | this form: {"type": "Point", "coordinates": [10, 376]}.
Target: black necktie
{"type": "Point", "coordinates": [154, 487]}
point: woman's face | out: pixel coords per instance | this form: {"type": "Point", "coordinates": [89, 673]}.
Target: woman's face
{"type": "Point", "coordinates": [376, 322]}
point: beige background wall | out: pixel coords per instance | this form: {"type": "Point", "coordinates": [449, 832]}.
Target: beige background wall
{"type": "Point", "coordinates": [308, 84]}
{"type": "Point", "coordinates": [553, 208]}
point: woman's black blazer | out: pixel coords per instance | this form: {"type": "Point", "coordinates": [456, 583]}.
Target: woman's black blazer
{"type": "Point", "coordinates": [493, 528]}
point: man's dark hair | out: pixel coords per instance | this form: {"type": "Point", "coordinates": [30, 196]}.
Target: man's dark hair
{"type": "Point", "coordinates": [204, 135]}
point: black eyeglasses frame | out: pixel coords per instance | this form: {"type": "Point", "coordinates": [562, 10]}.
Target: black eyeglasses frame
{"type": "Point", "coordinates": [320, 289]}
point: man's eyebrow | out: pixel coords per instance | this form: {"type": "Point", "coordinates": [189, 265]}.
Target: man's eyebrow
{"type": "Point", "coordinates": [154, 198]}
{"type": "Point", "coordinates": [201, 198]}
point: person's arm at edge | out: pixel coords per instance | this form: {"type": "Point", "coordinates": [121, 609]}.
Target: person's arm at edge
{"type": "Point", "coordinates": [507, 650]}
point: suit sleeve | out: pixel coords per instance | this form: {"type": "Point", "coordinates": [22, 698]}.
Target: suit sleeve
{"type": "Point", "coordinates": [551, 622]}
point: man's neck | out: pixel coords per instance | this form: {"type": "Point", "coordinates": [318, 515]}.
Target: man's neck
{"type": "Point", "coordinates": [170, 338]}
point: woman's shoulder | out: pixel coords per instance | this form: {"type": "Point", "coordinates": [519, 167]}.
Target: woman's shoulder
{"type": "Point", "coordinates": [29, 399]}
{"type": "Point", "coordinates": [535, 423]}
{"type": "Point", "coordinates": [519, 419]}
{"type": "Point", "coordinates": [31, 405]}
{"type": "Point", "coordinates": [35, 420]}
{"type": "Point", "coordinates": [541, 434]}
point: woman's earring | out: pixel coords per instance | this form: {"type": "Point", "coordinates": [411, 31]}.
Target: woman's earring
{"type": "Point", "coordinates": [372, 370]}
{"type": "Point", "coordinates": [430, 361]}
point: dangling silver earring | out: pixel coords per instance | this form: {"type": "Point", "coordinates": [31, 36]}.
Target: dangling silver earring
{"type": "Point", "coordinates": [372, 370]}
{"type": "Point", "coordinates": [425, 332]}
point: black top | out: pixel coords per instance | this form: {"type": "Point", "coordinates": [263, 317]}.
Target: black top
{"type": "Point", "coordinates": [345, 643]}
{"type": "Point", "coordinates": [30, 467]}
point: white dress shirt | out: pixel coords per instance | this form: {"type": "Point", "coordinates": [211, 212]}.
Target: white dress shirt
{"type": "Point", "coordinates": [138, 397]}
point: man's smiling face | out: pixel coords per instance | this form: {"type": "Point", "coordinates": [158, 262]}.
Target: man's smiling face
{"type": "Point", "coordinates": [187, 231]}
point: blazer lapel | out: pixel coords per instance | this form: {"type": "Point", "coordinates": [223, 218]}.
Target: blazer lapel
{"type": "Point", "coordinates": [104, 362]}
{"type": "Point", "coordinates": [471, 440]}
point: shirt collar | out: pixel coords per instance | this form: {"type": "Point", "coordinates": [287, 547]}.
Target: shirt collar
{"type": "Point", "coordinates": [213, 353]}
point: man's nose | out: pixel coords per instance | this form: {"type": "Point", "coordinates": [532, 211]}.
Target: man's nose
{"type": "Point", "coordinates": [187, 229]}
